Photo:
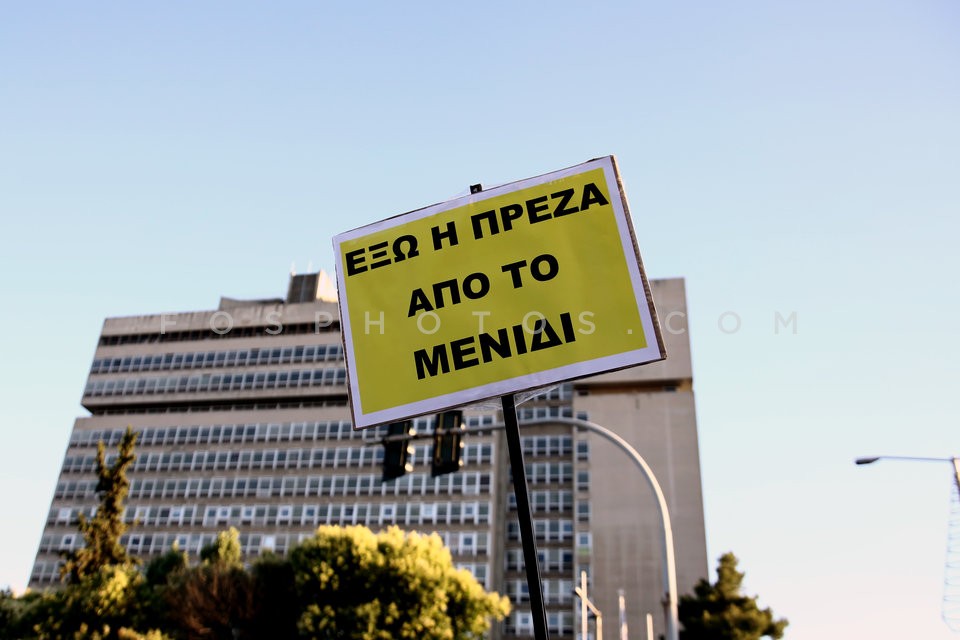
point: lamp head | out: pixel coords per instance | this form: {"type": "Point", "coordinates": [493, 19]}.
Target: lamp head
{"type": "Point", "coordinates": [867, 460]}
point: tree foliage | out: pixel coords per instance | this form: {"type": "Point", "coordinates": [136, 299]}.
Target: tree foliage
{"type": "Point", "coordinates": [278, 607]}
{"type": "Point", "coordinates": [161, 568]}
{"type": "Point", "coordinates": [11, 609]}
{"type": "Point", "coordinates": [101, 596]}
{"type": "Point", "coordinates": [101, 533]}
{"type": "Point", "coordinates": [213, 600]}
{"type": "Point", "coordinates": [159, 574]}
{"type": "Point", "coordinates": [102, 605]}
{"type": "Point", "coordinates": [224, 551]}
{"type": "Point", "coordinates": [393, 585]}
{"type": "Point", "coordinates": [719, 611]}
{"type": "Point", "coordinates": [342, 583]}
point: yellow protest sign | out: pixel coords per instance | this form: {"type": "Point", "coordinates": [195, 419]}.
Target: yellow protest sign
{"type": "Point", "coordinates": [508, 289]}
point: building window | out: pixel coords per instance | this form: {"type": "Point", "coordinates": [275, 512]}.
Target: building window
{"type": "Point", "coordinates": [583, 450]}
{"type": "Point", "coordinates": [583, 511]}
{"type": "Point", "coordinates": [584, 540]}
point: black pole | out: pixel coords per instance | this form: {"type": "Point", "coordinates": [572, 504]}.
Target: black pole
{"type": "Point", "coordinates": [530, 560]}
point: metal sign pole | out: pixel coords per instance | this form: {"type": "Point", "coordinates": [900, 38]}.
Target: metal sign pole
{"type": "Point", "coordinates": [530, 560]}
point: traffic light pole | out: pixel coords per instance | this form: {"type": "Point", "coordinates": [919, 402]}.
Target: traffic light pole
{"type": "Point", "coordinates": [530, 560]}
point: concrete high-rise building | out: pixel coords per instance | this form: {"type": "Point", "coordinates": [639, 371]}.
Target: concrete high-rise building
{"type": "Point", "coordinates": [243, 421]}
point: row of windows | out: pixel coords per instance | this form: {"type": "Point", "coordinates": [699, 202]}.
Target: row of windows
{"type": "Point", "coordinates": [555, 446]}
{"type": "Point", "coordinates": [339, 457]}
{"type": "Point", "coordinates": [230, 433]}
{"type": "Point", "coordinates": [523, 414]}
{"type": "Point", "coordinates": [466, 483]}
{"type": "Point", "coordinates": [543, 413]}
{"type": "Point", "coordinates": [252, 544]}
{"type": "Point", "coordinates": [209, 359]}
{"type": "Point", "coordinates": [520, 623]}
{"type": "Point", "coordinates": [559, 560]}
{"type": "Point", "coordinates": [544, 530]}
{"type": "Point", "coordinates": [139, 544]}
{"type": "Point", "coordinates": [313, 515]}
{"type": "Point", "coordinates": [549, 472]}
{"type": "Point", "coordinates": [449, 513]}
{"type": "Point", "coordinates": [297, 431]}
{"type": "Point", "coordinates": [545, 501]}
{"type": "Point", "coordinates": [217, 382]}
{"type": "Point", "coordinates": [208, 407]}
{"type": "Point", "coordinates": [554, 591]}
{"type": "Point", "coordinates": [48, 572]}
{"type": "Point", "coordinates": [322, 325]}
{"type": "Point", "coordinates": [466, 542]}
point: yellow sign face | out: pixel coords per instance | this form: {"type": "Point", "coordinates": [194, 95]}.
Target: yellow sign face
{"type": "Point", "coordinates": [517, 287]}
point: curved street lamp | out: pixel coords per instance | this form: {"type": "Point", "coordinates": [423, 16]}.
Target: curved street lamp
{"type": "Point", "coordinates": [951, 596]}
{"type": "Point", "coordinates": [955, 461]}
{"type": "Point", "coordinates": [669, 559]}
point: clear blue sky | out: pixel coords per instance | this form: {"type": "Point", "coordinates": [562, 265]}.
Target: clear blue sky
{"type": "Point", "coordinates": [782, 157]}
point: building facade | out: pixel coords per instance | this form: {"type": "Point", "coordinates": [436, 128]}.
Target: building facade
{"type": "Point", "coordinates": [242, 420]}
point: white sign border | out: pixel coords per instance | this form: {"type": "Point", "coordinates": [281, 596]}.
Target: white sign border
{"type": "Point", "coordinates": [654, 351]}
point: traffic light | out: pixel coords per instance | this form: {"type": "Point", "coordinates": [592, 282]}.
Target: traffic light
{"type": "Point", "coordinates": [447, 443]}
{"type": "Point", "coordinates": [398, 454]}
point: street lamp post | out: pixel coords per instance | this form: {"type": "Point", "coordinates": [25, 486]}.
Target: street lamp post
{"type": "Point", "coordinates": [955, 461]}
{"type": "Point", "coordinates": [951, 595]}
{"type": "Point", "coordinates": [669, 559]}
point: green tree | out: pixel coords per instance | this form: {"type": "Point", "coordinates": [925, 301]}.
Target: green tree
{"type": "Point", "coordinates": [159, 574]}
{"type": "Point", "coordinates": [352, 583]}
{"type": "Point", "coordinates": [100, 605]}
{"type": "Point", "coordinates": [101, 533]}
{"type": "Point", "coordinates": [342, 583]}
{"type": "Point", "coordinates": [11, 611]}
{"type": "Point", "coordinates": [105, 595]}
{"type": "Point", "coordinates": [719, 611]}
{"type": "Point", "coordinates": [216, 598]}
{"type": "Point", "coordinates": [224, 551]}
{"type": "Point", "coordinates": [160, 569]}
{"type": "Point", "coordinates": [276, 599]}
{"type": "Point", "coordinates": [211, 600]}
